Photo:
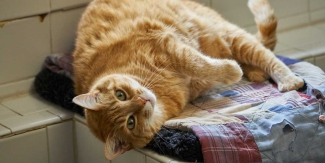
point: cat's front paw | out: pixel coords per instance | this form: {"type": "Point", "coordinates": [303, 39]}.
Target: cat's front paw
{"type": "Point", "coordinates": [290, 82]}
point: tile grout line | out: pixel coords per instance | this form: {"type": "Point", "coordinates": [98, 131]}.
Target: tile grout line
{"type": "Point", "coordinates": [11, 110]}
{"type": "Point", "coordinates": [54, 115]}
{"type": "Point", "coordinates": [48, 144]}
{"type": "Point", "coordinates": [6, 128]}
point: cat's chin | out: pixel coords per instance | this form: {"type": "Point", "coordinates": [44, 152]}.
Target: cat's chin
{"type": "Point", "coordinates": [150, 103]}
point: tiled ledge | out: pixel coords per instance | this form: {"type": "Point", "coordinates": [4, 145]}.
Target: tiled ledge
{"type": "Point", "coordinates": [27, 112]}
{"type": "Point", "coordinates": [300, 43]}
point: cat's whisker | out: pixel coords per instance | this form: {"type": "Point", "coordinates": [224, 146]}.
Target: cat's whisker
{"type": "Point", "coordinates": [147, 83]}
{"type": "Point", "coordinates": [158, 77]}
{"type": "Point", "coordinates": [162, 138]}
{"type": "Point", "coordinates": [159, 146]}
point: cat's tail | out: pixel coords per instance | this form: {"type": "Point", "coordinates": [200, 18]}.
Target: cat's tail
{"type": "Point", "coordinates": [266, 22]}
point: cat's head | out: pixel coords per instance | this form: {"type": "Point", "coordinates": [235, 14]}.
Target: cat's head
{"type": "Point", "coordinates": [120, 112]}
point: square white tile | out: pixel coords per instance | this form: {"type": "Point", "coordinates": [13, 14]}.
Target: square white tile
{"type": "Point", "coordinates": [301, 36]}
{"type": "Point", "coordinates": [60, 112]}
{"type": "Point", "coordinates": [18, 87]}
{"type": "Point", "coordinates": [13, 9]}
{"type": "Point", "coordinates": [235, 11]}
{"type": "Point", "coordinates": [320, 26]}
{"type": "Point", "coordinates": [294, 21]}
{"type": "Point", "coordinates": [63, 4]}
{"type": "Point", "coordinates": [61, 142]}
{"type": "Point", "coordinates": [88, 148]}
{"type": "Point", "coordinates": [63, 29]}
{"type": "Point", "coordinates": [6, 113]}
{"type": "Point", "coordinates": [30, 147]}
{"type": "Point", "coordinates": [130, 156]}
{"type": "Point", "coordinates": [150, 160]}
{"type": "Point", "coordinates": [289, 8]}
{"type": "Point", "coordinates": [155, 156]}
{"type": "Point", "coordinates": [24, 44]}
{"type": "Point", "coordinates": [320, 62]}
{"type": "Point", "coordinates": [281, 47]}
{"type": "Point", "coordinates": [310, 60]}
{"type": "Point", "coordinates": [27, 104]}
{"type": "Point", "coordinates": [294, 53]}
{"type": "Point", "coordinates": [317, 16]}
{"type": "Point", "coordinates": [31, 121]}
{"type": "Point", "coordinates": [316, 48]}
{"type": "Point", "coordinates": [316, 4]}
{"type": "Point", "coordinates": [204, 2]}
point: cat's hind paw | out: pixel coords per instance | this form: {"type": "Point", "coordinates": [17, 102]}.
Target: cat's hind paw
{"type": "Point", "coordinates": [230, 72]}
{"type": "Point", "coordinates": [290, 83]}
{"type": "Point", "coordinates": [257, 76]}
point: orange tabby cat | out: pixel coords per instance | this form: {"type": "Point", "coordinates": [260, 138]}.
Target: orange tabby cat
{"type": "Point", "coordinates": [137, 63]}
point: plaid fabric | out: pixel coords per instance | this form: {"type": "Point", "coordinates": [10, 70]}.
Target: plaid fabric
{"type": "Point", "coordinates": [227, 143]}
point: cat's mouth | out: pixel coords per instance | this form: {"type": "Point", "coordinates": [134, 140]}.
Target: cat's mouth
{"type": "Point", "coordinates": [149, 101]}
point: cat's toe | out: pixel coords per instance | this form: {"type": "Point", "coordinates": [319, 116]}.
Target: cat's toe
{"type": "Point", "coordinates": [290, 83]}
{"type": "Point", "coordinates": [257, 76]}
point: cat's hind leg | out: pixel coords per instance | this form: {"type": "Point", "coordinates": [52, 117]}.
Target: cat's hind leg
{"type": "Point", "coordinates": [191, 62]}
{"type": "Point", "coordinates": [248, 50]}
{"type": "Point", "coordinates": [200, 87]}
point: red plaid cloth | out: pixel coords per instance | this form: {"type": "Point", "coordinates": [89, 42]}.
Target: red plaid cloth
{"type": "Point", "coordinates": [229, 143]}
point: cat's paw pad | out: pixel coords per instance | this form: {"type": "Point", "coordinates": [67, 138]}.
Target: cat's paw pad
{"type": "Point", "coordinates": [289, 83]}
{"type": "Point", "coordinates": [257, 76]}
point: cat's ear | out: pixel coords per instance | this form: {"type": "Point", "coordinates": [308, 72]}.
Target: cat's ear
{"type": "Point", "coordinates": [114, 148]}
{"type": "Point", "coordinates": [87, 100]}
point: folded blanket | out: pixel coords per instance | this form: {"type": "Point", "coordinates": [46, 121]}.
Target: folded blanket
{"type": "Point", "coordinates": [244, 122]}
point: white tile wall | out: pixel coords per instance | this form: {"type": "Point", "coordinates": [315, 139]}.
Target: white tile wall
{"type": "Point", "coordinates": [61, 143]}
{"type": "Point", "coordinates": [88, 148]}
{"type": "Point", "coordinates": [319, 61]}
{"type": "Point", "coordinates": [29, 147]}
{"type": "Point", "coordinates": [289, 8]}
{"type": "Point", "coordinates": [12, 9]}
{"type": "Point", "coordinates": [317, 16]}
{"type": "Point", "coordinates": [235, 11]}
{"type": "Point", "coordinates": [63, 4]}
{"type": "Point", "coordinates": [6, 113]}
{"type": "Point", "coordinates": [63, 29]}
{"type": "Point", "coordinates": [310, 60]}
{"type": "Point", "coordinates": [23, 45]}
{"type": "Point", "coordinates": [130, 156]}
{"type": "Point", "coordinates": [205, 2]}
{"type": "Point", "coordinates": [4, 131]}
{"type": "Point", "coordinates": [150, 160]}
{"type": "Point", "coordinates": [316, 4]}
{"type": "Point", "coordinates": [16, 87]}
{"type": "Point", "coordinates": [291, 13]}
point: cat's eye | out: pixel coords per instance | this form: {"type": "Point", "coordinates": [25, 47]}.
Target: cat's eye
{"type": "Point", "coordinates": [120, 95]}
{"type": "Point", "coordinates": [130, 123]}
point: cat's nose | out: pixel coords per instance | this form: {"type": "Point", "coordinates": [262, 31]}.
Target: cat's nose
{"type": "Point", "coordinates": [143, 100]}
